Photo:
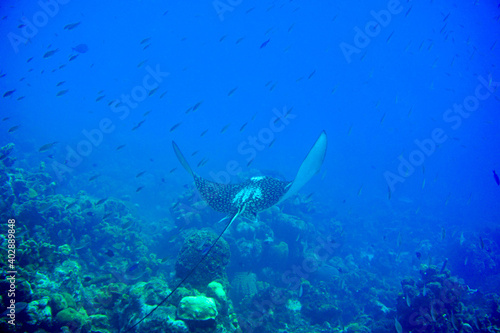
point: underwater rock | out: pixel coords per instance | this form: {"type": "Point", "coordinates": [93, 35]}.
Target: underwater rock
{"type": "Point", "coordinates": [210, 269]}
{"type": "Point", "coordinates": [216, 290]}
{"type": "Point", "coordinates": [58, 303]}
{"type": "Point", "coordinates": [99, 323]}
{"type": "Point", "coordinates": [6, 150]}
{"type": "Point", "coordinates": [287, 227]}
{"type": "Point", "coordinates": [278, 254]}
{"type": "Point", "coordinates": [197, 308]}
{"type": "Point", "coordinates": [73, 319]}
{"type": "Point", "coordinates": [39, 312]}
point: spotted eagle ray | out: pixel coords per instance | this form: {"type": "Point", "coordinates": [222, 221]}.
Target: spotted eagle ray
{"type": "Point", "coordinates": [248, 198]}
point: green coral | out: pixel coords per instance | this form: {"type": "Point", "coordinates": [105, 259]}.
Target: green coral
{"type": "Point", "coordinates": [197, 308]}
{"type": "Point", "coordinates": [74, 319]}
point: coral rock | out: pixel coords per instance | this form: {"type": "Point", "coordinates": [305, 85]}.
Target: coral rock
{"type": "Point", "coordinates": [197, 308]}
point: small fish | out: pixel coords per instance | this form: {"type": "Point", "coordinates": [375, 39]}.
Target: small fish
{"type": "Point", "coordinates": [399, 240]}
{"type": "Point", "coordinates": [195, 152]}
{"type": "Point", "coordinates": [232, 91]}
{"type": "Point", "coordinates": [73, 57]}
{"type": "Point", "coordinates": [152, 91]}
{"type": "Point", "coordinates": [62, 92]}
{"type": "Point", "coordinates": [101, 201]}
{"type": "Point", "coordinates": [201, 162]}
{"type": "Point", "coordinates": [139, 188]}
{"type": "Point", "coordinates": [265, 43]}
{"type": "Point", "coordinates": [99, 98]}
{"type": "Point", "coordinates": [140, 174]}
{"type": "Point", "coordinates": [243, 127]}
{"type": "Point", "coordinates": [81, 48]}
{"type": "Point", "coordinates": [133, 268]}
{"type": "Point", "coordinates": [120, 147]}
{"type": "Point", "coordinates": [497, 180]}
{"type": "Point", "coordinates": [164, 259]}
{"type": "Point", "coordinates": [110, 253]}
{"type": "Point", "coordinates": [145, 40]}
{"type": "Point", "coordinates": [47, 146]}
{"type": "Point", "coordinates": [444, 266]}
{"type": "Point", "coordinates": [398, 326]}
{"type": "Point", "coordinates": [383, 117]}
{"type": "Point", "coordinates": [14, 128]}
{"type": "Point", "coordinates": [175, 126]}
{"type": "Point", "coordinates": [71, 26]}
{"type": "Point", "coordinates": [172, 170]}
{"type": "Point", "coordinates": [312, 74]}
{"type": "Point", "coordinates": [50, 53]}
{"type": "Point", "coordinates": [224, 128]}
{"type": "Point", "coordinates": [197, 105]}
{"type": "Point", "coordinates": [408, 300]}
{"type": "Point", "coordinates": [481, 242]}
{"type": "Point", "coordinates": [138, 125]}
{"type": "Point", "coordinates": [443, 233]}
{"type": "Point", "coordinates": [389, 38]}
{"type": "Point", "coordinates": [8, 93]}
{"type": "Point", "coordinates": [94, 177]}
{"type": "Point", "coordinates": [206, 249]}
{"type": "Point", "coordinates": [60, 83]}
{"type": "Point", "coordinates": [424, 290]}
{"type": "Point", "coordinates": [163, 94]}
{"type": "Point", "coordinates": [204, 132]}
{"type": "Point", "coordinates": [239, 40]}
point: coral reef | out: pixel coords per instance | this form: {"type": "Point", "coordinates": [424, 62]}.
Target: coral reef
{"type": "Point", "coordinates": [90, 264]}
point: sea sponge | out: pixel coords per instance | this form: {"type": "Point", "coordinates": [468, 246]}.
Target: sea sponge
{"type": "Point", "coordinates": [213, 267]}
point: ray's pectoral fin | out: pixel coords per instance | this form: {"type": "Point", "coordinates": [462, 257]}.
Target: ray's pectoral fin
{"type": "Point", "coordinates": [182, 159]}
{"type": "Point", "coordinates": [310, 166]}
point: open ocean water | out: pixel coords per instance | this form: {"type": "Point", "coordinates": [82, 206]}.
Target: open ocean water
{"type": "Point", "coordinates": [105, 227]}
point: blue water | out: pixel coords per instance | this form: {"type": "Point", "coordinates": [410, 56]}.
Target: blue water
{"type": "Point", "coordinates": [409, 103]}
